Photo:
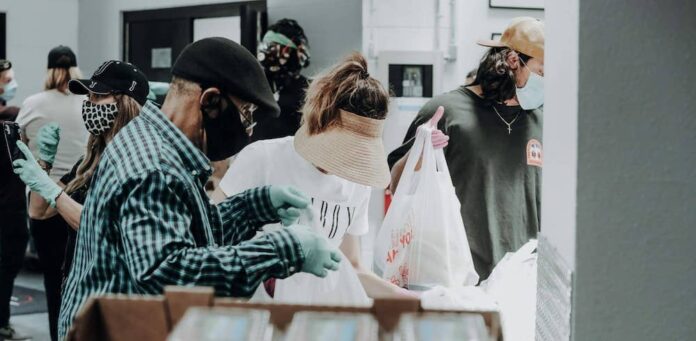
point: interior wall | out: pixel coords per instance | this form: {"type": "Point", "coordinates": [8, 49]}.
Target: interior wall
{"type": "Point", "coordinates": [333, 27]}
{"type": "Point", "coordinates": [34, 27]}
{"type": "Point", "coordinates": [411, 25]}
{"type": "Point", "coordinates": [560, 127]}
{"type": "Point", "coordinates": [101, 21]}
{"type": "Point", "coordinates": [558, 208]}
{"type": "Point", "coordinates": [636, 260]}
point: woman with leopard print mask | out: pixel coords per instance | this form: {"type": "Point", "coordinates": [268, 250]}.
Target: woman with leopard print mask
{"type": "Point", "coordinates": [115, 95]}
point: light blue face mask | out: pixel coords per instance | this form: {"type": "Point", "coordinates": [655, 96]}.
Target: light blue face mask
{"type": "Point", "coordinates": [531, 96]}
{"type": "Point", "coordinates": [10, 91]}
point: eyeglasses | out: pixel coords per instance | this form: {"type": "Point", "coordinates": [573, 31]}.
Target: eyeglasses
{"type": "Point", "coordinates": [246, 115]}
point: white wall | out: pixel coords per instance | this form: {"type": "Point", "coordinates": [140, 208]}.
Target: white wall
{"type": "Point", "coordinates": [557, 240]}
{"type": "Point", "coordinates": [332, 26]}
{"type": "Point", "coordinates": [34, 27]}
{"type": "Point", "coordinates": [410, 25]}
{"type": "Point", "coordinates": [560, 127]}
{"type": "Point", "coordinates": [101, 32]}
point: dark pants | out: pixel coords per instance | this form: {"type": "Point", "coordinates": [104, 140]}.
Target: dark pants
{"type": "Point", "coordinates": [50, 237]}
{"type": "Point", "coordinates": [13, 245]}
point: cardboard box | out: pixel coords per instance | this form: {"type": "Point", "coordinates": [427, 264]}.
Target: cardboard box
{"type": "Point", "coordinates": [130, 317]}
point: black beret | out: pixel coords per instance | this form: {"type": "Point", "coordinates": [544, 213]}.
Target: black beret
{"type": "Point", "coordinates": [222, 63]}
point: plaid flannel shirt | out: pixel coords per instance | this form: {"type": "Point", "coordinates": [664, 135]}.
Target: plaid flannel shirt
{"type": "Point", "coordinates": [147, 223]}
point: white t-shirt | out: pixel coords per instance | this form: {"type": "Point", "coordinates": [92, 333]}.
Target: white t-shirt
{"type": "Point", "coordinates": [66, 110]}
{"type": "Point", "coordinates": [339, 206]}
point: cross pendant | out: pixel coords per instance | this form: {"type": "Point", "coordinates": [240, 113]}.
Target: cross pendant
{"type": "Point", "coordinates": [509, 130]}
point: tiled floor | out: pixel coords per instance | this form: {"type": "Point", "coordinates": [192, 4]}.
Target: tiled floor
{"type": "Point", "coordinates": [34, 325]}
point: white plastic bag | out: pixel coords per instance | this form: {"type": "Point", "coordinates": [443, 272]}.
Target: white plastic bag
{"type": "Point", "coordinates": [469, 298]}
{"type": "Point", "coordinates": [422, 242]}
{"type": "Point", "coordinates": [341, 287]}
{"type": "Point", "coordinates": [512, 284]}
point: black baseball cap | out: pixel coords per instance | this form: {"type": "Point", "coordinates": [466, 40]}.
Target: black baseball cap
{"type": "Point", "coordinates": [114, 77]}
{"type": "Point", "coordinates": [61, 57]}
{"type": "Point", "coordinates": [224, 64]}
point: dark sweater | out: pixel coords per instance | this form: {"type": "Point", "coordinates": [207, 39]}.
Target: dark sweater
{"type": "Point", "coordinates": [290, 102]}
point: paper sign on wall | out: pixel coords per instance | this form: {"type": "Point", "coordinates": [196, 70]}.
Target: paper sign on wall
{"type": "Point", "coordinates": [161, 58]}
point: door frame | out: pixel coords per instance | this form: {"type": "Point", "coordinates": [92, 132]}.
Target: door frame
{"type": "Point", "coordinates": [3, 35]}
{"type": "Point", "coordinates": [255, 26]}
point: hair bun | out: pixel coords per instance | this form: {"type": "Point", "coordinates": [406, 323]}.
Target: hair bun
{"type": "Point", "coordinates": [347, 86]}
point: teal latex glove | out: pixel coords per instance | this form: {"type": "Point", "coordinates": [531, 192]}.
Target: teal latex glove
{"type": "Point", "coordinates": [319, 255]}
{"type": "Point", "coordinates": [288, 202]}
{"type": "Point", "coordinates": [49, 136]}
{"type": "Point", "coordinates": [34, 177]}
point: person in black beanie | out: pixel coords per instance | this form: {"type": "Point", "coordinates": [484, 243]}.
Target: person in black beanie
{"type": "Point", "coordinates": [147, 221]}
{"type": "Point", "coordinates": [283, 53]}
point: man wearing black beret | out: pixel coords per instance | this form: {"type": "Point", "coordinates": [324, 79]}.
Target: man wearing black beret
{"type": "Point", "coordinates": [147, 221]}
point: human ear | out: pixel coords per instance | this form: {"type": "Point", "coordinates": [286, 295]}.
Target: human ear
{"type": "Point", "coordinates": [210, 102]}
{"type": "Point", "coordinates": [209, 97]}
{"type": "Point", "coordinates": [513, 60]}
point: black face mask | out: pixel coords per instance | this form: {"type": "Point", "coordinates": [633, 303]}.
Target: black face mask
{"type": "Point", "coordinates": [225, 134]}
{"type": "Point", "coordinates": [281, 64]}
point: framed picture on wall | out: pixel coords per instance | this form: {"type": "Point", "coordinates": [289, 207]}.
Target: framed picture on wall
{"type": "Point", "coordinates": [496, 36]}
{"type": "Point", "coordinates": [517, 4]}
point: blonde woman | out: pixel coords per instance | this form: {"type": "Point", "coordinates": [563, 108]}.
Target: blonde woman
{"type": "Point", "coordinates": [55, 104]}
{"type": "Point", "coordinates": [116, 92]}
{"type": "Point", "coordinates": [335, 158]}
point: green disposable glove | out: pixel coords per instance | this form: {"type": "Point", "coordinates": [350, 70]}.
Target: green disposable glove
{"type": "Point", "coordinates": [34, 177]}
{"type": "Point", "coordinates": [319, 255]}
{"type": "Point", "coordinates": [288, 202]}
{"type": "Point", "coordinates": [49, 136]}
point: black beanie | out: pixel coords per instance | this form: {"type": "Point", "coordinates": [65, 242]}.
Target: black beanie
{"type": "Point", "coordinates": [222, 63]}
{"type": "Point", "coordinates": [291, 29]}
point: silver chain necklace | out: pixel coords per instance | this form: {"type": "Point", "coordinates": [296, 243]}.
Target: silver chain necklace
{"type": "Point", "coordinates": [509, 125]}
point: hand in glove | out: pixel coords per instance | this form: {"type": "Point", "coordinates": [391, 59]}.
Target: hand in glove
{"type": "Point", "coordinates": [319, 255]}
{"type": "Point", "coordinates": [439, 139]}
{"type": "Point", "coordinates": [288, 202]}
{"type": "Point", "coordinates": [34, 177]}
{"type": "Point", "coordinates": [49, 136]}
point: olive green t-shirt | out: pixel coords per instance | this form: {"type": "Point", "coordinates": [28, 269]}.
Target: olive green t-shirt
{"type": "Point", "coordinates": [496, 175]}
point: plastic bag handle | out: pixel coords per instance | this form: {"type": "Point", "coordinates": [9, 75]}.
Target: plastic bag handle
{"type": "Point", "coordinates": [441, 163]}
{"type": "Point", "coordinates": [421, 145]}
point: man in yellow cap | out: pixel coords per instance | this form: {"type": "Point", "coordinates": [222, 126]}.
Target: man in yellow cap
{"type": "Point", "coordinates": [494, 152]}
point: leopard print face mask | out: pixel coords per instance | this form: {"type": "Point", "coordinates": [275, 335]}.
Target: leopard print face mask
{"type": "Point", "coordinates": [98, 117]}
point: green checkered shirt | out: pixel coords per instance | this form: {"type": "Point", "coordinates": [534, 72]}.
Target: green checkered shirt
{"type": "Point", "coordinates": [147, 222]}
